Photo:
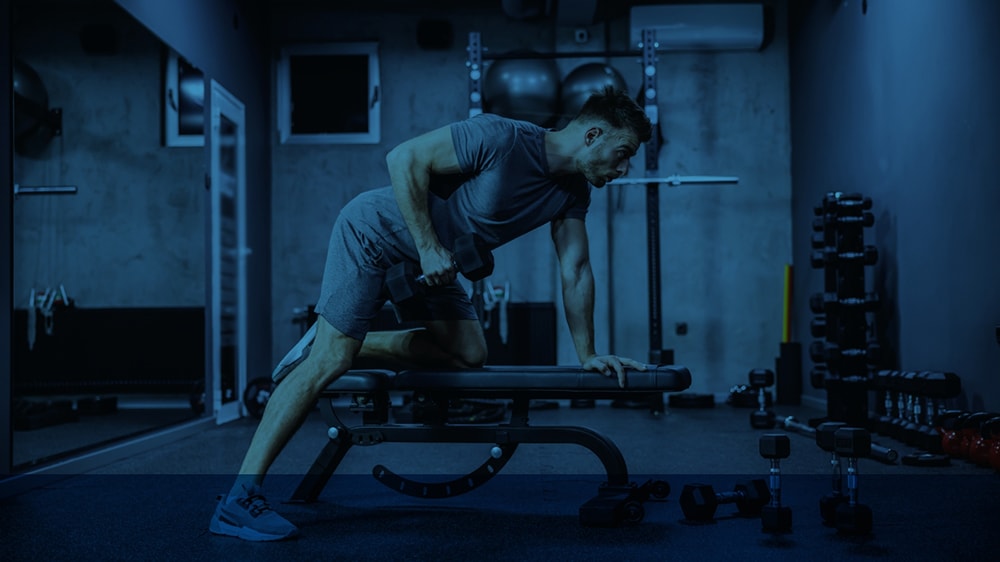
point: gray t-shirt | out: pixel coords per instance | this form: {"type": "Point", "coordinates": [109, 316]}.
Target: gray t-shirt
{"type": "Point", "coordinates": [503, 192]}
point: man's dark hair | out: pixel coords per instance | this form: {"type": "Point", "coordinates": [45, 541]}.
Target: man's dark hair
{"type": "Point", "coordinates": [619, 110]}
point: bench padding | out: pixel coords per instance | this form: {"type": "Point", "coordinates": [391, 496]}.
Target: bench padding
{"type": "Point", "coordinates": [502, 380]}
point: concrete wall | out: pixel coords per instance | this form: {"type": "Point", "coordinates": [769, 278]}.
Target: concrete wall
{"type": "Point", "coordinates": [6, 172]}
{"type": "Point", "coordinates": [900, 103]}
{"type": "Point", "coordinates": [724, 247]}
{"type": "Point", "coordinates": [224, 39]}
{"type": "Point", "coordinates": [133, 235]}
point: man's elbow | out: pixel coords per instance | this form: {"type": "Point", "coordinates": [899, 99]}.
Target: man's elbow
{"type": "Point", "coordinates": [395, 157]}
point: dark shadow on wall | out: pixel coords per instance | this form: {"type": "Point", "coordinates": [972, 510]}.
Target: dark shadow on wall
{"type": "Point", "coordinates": [885, 278]}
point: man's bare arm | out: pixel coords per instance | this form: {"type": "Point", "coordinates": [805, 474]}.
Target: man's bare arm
{"type": "Point", "coordinates": [410, 166]}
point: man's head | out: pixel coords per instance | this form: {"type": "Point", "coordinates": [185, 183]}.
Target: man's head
{"type": "Point", "coordinates": [613, 126]}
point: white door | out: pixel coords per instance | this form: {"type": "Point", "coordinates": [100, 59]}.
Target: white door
{"type": "Point", "coordinates": [228, 301]}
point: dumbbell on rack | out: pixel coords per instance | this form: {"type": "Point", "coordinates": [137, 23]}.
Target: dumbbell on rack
{"type": "Point", "coordinates": [473, 260]}
{"type": "Point", "coordinates": [831, 256]}
{"type": "Point", "coordinates": [820, 303]}
{"type": "Point", "coordinates": [832, 354]}
{"type": "Point", "coordinates": [700, 501]}
{"type": "Point", "coordinates": [775, 518]}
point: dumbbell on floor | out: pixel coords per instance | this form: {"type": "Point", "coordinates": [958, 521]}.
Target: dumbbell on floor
{"type": "Point", "coordinates": [472, 259]}
{"type": "Point", "coordinates": [700, 501]}
{"type": "Point", "coordinates": [762, 418]}
{"type": "Point", "coordinates": [853, 517]}
{"type": "Point", "coordinates": [775, 518]}
{"type": "Point", "coordinates": [828, 504]}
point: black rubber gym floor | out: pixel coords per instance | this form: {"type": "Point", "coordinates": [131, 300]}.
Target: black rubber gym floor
{"type": "Point", "coordinates": [156, 506]}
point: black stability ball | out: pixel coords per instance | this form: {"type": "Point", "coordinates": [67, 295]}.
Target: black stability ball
{"type": "Point", "coordinates": [525, 89]}
{"type": "Point", "coordinates": [583, 81]}
{"type": "Point", "coordinates": [33, 126]}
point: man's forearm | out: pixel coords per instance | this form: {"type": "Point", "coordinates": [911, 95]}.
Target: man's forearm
{"type": "Point", "coordinates": [410, 188]}
{"type": "Point", "coordinates": [578, 302]}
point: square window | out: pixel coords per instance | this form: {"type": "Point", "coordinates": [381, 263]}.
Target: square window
{"type": "Point", "coordinates": [329, 93]}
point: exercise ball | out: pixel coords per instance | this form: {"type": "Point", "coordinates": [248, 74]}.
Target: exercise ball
{"type": "Point", "coordinates": [525, 89]}
{"type": "Point", "coordinates": [33, 127]}
{"type": "Point", "coordinates": [583, 81]}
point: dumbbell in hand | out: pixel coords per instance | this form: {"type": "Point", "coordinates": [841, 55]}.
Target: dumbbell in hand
{"type": "Point", "coordinates": [700, 501]}
{"type": "Point", "coordinates": [853, 517]}
{"type": "Point", "coordinates": [775, 518]}
{"type": "Point", "coordinates": [762, 418]}
{"type": "Point", "coordinates": [472, 259]}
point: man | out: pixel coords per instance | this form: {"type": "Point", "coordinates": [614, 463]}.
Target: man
{"type": "Point", "coordinates": [495, 177]}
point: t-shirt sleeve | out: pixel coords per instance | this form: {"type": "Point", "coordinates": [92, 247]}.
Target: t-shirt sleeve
{"type": "Point", "coordinates": [481, 141]}
{"type": "Point", "coordinates": [580, 201]}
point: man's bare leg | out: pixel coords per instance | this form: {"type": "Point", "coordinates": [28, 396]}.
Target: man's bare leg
{"type": "Point", "coordinates": [244, 512]}
{"type": "Point", "coordinates": [331, 355]}
{"type": "Point", "coordinates": [441, 343]}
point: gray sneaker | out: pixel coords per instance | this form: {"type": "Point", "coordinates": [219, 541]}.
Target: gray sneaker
{"type": "Point", "coordinates": [250, 518]}
{"type": "Point", "coordinates": [297, 354]}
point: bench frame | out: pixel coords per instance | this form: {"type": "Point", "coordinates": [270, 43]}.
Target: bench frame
{"type": "Point", "coordinates": [618, 500]}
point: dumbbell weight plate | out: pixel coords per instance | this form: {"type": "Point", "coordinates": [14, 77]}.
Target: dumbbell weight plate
{"type": "Point", "coordinates": [257, 394]}
{"type": "Point", "coordinates": [926, 460]}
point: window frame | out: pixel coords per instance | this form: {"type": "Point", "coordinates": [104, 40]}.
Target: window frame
{"type": "Point", "coordinates": [284, 93]}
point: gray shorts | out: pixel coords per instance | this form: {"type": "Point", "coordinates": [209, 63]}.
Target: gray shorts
{"type": "Point", "coordinates": [354, 290]}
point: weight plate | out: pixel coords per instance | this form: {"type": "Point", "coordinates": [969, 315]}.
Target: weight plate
{"type": "Point", "coordinates": [926, 459]}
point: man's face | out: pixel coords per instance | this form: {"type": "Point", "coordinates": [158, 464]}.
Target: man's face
{"type": "Point", "coordinates": [607, 154]}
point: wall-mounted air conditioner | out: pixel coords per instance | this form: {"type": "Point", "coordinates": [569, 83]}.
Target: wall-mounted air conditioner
{"type": "Point", "coordinates": [703, 27]}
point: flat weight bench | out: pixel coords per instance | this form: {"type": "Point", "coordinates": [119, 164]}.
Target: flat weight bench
{"type": "Point", "coordinates": [618, 500]}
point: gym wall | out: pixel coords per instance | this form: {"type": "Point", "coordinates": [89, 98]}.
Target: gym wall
{"type": "Point", "coordinates": [723, 247]}
{"type": "Point", "coordinates": [133, 234]}
{"type": "Point", "coordinates": [898, 102]}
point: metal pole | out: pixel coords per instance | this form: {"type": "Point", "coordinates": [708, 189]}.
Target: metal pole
{"type": "Point", "coordinates": [648, 93]}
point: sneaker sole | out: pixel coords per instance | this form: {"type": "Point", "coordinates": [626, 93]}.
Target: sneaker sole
{"type": "Point", "coordinates": [219, 528]}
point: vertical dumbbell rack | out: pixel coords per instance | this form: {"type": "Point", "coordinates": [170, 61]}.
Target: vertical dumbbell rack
{"type": "Point", "coordinates": [843, 356]}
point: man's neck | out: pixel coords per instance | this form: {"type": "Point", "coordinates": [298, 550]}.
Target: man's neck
{"type": "Point", "coordinates": [560, 149]}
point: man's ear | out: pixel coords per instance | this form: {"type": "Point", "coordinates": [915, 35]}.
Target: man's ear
{"type": "Point", "coordinates": [592, 134]}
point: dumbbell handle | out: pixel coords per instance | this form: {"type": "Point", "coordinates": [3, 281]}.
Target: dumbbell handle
{"type": "Point", "coordinates": [422, 279]}
{"type": "Point", "coordinates": [729, 497]}
{"type": "Point", "coordinates": [792, 424]}
{"type": "Point", "coordinates": [774, 483]}
{"type": "Point", "coordinates": [852, 481]}
{"type": "Point", "coordinates": [883, 454]}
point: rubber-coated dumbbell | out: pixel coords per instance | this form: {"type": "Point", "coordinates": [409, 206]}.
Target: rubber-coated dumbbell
{"type": "Point", "coordinates": [853, 517]}
{"type": "Point", "coordinates": [472, 259]}
{"type": "Point", "coordinates": [830, 256]}
{"type": "Point", "coordinates": [982, 443]}
{"type": "Point", "coordinates": [956, 441]}
{"type": "Point", "coordinates": [762, 418]}
{"type": "Point", "coordinates": [820, 303]}
{"type": "Point", "coordinates": [828, 504]}
{"type": "Point", "coordinates": [995, 452]}
{"type": "Point", "coordinates": [833, 354]}
{"type": "Point", "coordinates": [774, 517]}
{"type": "Point", "coordinates": [971, 431]}
{"type": "Point", "coordinates": [700, 501]}
{"type": "Point", "coordinates": [948, 424]}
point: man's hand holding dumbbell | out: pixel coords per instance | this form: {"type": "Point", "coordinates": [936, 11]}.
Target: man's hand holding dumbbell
{"type": "Point", "coordinates": [438, 267]}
